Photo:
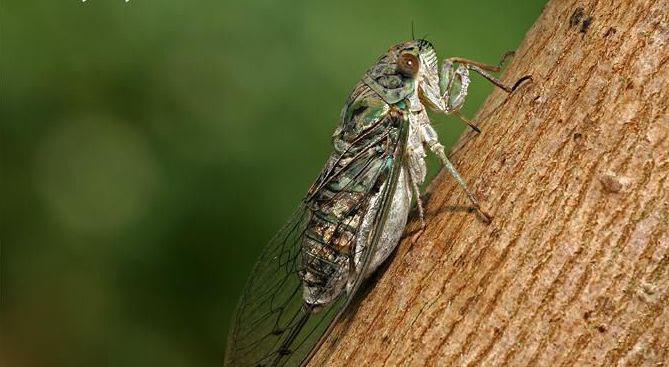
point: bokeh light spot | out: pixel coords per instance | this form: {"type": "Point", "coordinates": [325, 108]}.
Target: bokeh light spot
{"type": "Point", "coordinates": [96, 175]}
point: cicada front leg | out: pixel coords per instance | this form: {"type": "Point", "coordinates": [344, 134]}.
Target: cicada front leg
{"type": "Point", "coordinates": [448, 97]}
{"type": "Point", "coordinates": [454, 85]}
{"type": "Point", "coordinates": [454, 82]}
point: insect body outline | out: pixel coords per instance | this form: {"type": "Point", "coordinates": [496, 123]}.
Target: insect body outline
{"type": "Point", "coordinates": [354, 215]}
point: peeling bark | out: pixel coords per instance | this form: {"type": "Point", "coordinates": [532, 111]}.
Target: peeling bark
{"type": "Point", "coordinates": [574, 268]}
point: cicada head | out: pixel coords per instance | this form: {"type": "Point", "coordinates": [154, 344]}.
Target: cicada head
{"type": "Point", "coordinates": [403, 69]}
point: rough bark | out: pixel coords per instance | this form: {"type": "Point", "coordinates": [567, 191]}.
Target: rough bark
{"type": "Point", "coordinates": [574, 268]}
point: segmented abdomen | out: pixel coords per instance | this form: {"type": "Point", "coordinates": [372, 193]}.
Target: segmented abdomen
{"type": "Point", "coordinates": [328, 245]}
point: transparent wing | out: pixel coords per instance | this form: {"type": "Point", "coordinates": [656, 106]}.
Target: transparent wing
{"type": "Point", "coordinates": [271, 308]}
{"type": "Point", "coordinates": [273, 326]}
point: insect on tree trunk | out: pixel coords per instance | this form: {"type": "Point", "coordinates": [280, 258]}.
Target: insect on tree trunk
{"type": "Point", "coordinates": [574, 268]}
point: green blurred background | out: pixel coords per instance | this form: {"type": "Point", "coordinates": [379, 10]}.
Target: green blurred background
{"type": "Point", "coordinates": [149, 150]}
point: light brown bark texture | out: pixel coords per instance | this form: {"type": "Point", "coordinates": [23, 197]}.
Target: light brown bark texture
{"type": "Point", "coordinates": [574, 166]}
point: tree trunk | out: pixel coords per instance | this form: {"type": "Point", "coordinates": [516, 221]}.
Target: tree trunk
{"type": "Point", "coordinates": [574, 268]}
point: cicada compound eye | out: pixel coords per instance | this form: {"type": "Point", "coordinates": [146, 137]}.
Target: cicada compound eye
{"type": "Point", "coordinates": [408, 65]}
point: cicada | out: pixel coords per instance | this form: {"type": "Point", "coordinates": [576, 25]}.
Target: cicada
{"type": "Point", "coordinates": [354, 214]}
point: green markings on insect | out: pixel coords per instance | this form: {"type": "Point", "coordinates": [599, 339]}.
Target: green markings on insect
{"type": "Point", "coordinates": [355, 213]}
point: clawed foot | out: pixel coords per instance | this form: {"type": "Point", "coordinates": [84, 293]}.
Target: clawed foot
{"type": "Point", "coordinates": [520, 81]}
